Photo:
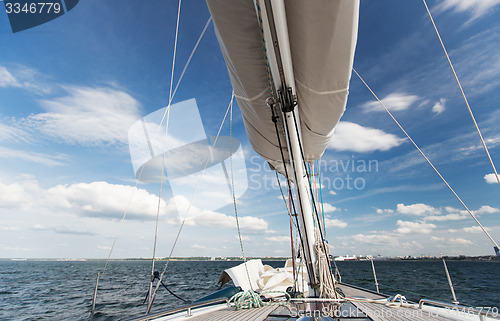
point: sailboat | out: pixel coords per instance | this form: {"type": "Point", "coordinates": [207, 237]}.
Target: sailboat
{"type": "Point", "coordinates": [290, 64]}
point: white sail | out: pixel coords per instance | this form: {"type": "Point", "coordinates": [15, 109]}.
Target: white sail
{"type": "Point", "coordinates": [322, 36]}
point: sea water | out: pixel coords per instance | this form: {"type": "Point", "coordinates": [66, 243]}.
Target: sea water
{"type": "Point", "coordinates": [63, 290]}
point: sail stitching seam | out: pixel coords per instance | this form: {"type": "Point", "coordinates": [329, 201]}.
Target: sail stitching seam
{"type": "Point", "coordinates": [331, 92]}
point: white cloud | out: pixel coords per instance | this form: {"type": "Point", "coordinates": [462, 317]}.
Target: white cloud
{"type": "Point", "coordinates": [105, 200]}
{"type": "Point", "coordinates": [384, 211]}
{"type": "Point", "coordinates": [418, 209]}
{"type": "Point", "coordinates": [406, 227]}
{"type": "Point", "coordinates": [219, 220]}
{"type": "Point", "coordinates": [332, 193]}
{"type": "Point", "coordinates": [6, 78]}
{"type": "Point", "coordinates": [439, 106]}
{"type": "Point", "coordinates": [88, 116]}
{"type": "Point", "coordinates": [198, 217]}
{"type": "Point", "coordinates": [7, 227]}
{"type": "Point", "coordinates": [393, 102]}
{"type": "Point", "coordinates": [12, 134]}
{"type": "Point", "coordinates": [474, 229]}
{"type": "Point", "coordinates": [460, 241]}
{"type": "Point", "coordinates": [375, 239]}
{"type": "Point", "coordinates": [198, 246]}
{"type": "Point", "coordinates": [476, 8]}
{"type": "Point", "coordinates": [451, 209]}
{"type": "Point", "coordinates": [331, 223]}
{"type": "Point", "coordinates": [21, 195]}
{"type": "Point", "coordinates": [62, 230]}
{"type": "Point", "coordinates": [279, 239]}
{"type": "Point", "coordinates": [24, 77]}
{"type": "Point", "coordinates": [490, 178]}
{"type": "Point", "coordinates": [40, 158]}
{"type": "Point", "coordinates": [412, 245]}
{"type": "Point", "coordinates": [329, 208]}
{"type": "Point", "coordinates": [102, 199]}
{"type": "Point", "coordinates": [353, 137]}
{"type": "Point", "coordinates": [447, 217]}
{"type": "Point", "coordinates": [455, 214]}
{"type": "Point", "coordinates": [486, 209]}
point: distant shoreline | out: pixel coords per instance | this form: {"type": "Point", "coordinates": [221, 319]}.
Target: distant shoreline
{"type": "Point", "coordinates": [484, 258]}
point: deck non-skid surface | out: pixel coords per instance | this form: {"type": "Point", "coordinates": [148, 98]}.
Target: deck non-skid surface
{"type": "Point", "coordinates": [348, 311]}
{"type": "Point", "coordinates": [380, 312]}
{"type": "Point", "coordinates": [230, 314]}
{"type": "Point", "coordinates": [350, 291]}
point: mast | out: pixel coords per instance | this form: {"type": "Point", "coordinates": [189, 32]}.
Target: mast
{"type": "Point", "coordinates": [320, 38]}
{"type": "Point", "coordinates": [281, 63]}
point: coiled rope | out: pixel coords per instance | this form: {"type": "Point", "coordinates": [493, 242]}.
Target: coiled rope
{"type": "Point", "coordinates": [251, 299]}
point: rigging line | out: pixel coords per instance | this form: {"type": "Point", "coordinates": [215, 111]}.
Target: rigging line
{"type": "Point", "coordinates": [427, 159]}
{"type": "Point", "coordinates": [268, 67]}
{"type": "Point", "coordinates": [156, 231]}
{"type": "Point", "coordinates": [114, 242]}
{"type": "Point", "coordinates": [283, 121]}
{"type": "Point", "coordinates": [321, 197]}
{"type": "Point", "coordinates": [167, 111]}
{"type": "Point", "coordinates": [296, 269]}
{"type": "Point", "coordinates": [291, 241]}
{"type": "Point", "coordinates": [190, 57]}
{"type": "Point", "coordinates": [287, 177]}
{"type": "Point", "coordinates": [314, 204]}
{"type": "Point", "coordinates": [304, 240]}
{"type": "Point", "coordinates": [122, 220]}
{"type": "Point", "coordinates": [314, 187]}
{"type": "Point", "coordinates": [175, 51]}
{"type": "Point", "coordinates": [292, 202]}
{"type": "Point", "coordinates": [158, 209]}
{"type": "Point", "coordinates": [130, 202]}
{"type": "Point", "coordinates": [463, 94]}
{"type": "Point", "coordinates": [289, 210]}
{"type": "Point", "coordinates": [290, 198]}
{"type": "Point", "coordinates": [171, 98]}
{"type": "Point", "coordinates": [189, 206]}
{"type": "Point", "coordinates": [233, 193]}
{"type": "Point", "coordinates": [173, 63]}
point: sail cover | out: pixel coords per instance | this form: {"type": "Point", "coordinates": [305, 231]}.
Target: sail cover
{"type": "Point", "coordinates": [322, 38]}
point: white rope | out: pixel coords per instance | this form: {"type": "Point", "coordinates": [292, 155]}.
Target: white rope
{"type": "Point", "coordinates": [463, 95]}
{"type": "Point", "coordinates": [189, 207]}
{"type": "Point", "coordinates": [427, 159]}
{"type": "Point", "coordinates": [250, 299]}
{"type": "Point", "coordinates": [325, 278]}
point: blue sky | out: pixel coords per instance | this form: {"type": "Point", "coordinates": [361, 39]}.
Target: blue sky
{"type": "Point", "coordinates": [71, 89]}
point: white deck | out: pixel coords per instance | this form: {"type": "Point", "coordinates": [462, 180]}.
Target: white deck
{"type": "Point", "coordinates": [361, 311]}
